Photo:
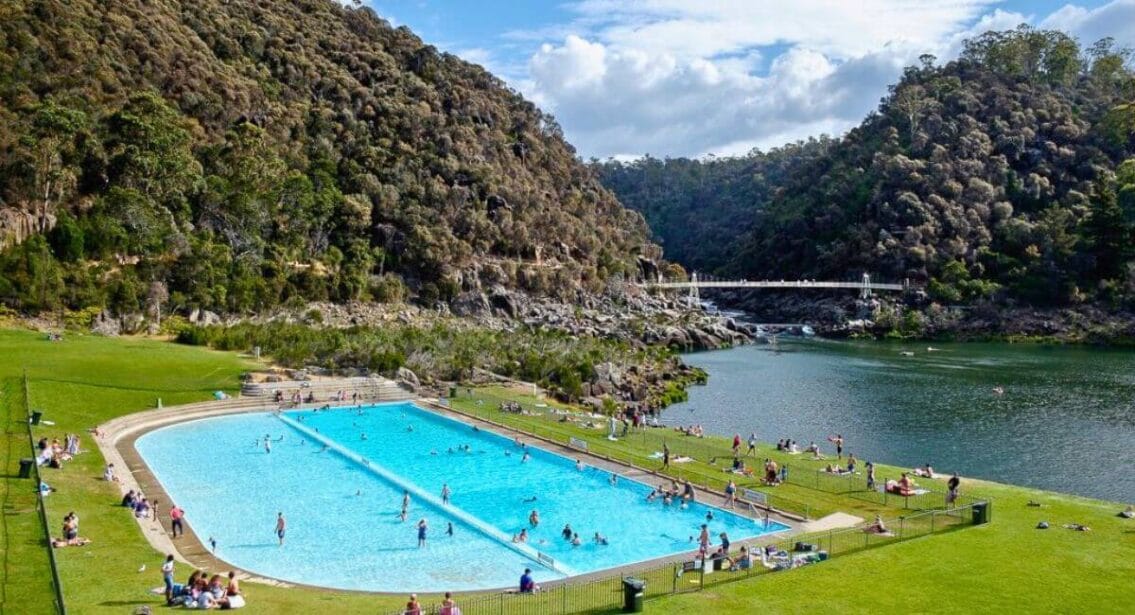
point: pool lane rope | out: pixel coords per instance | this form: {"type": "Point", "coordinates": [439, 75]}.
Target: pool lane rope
{"type": "Point", "coordinates": [491, 532]}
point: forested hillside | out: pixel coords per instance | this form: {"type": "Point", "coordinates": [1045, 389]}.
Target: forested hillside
{"type": "Point", "coordinates": [235, 155]}
{"type": "Point", "coordinates": [1005, 174]}
{"type": "Point", "coordinates": [699, 209]}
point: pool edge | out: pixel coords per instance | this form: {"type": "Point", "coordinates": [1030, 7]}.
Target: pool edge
{"type": "Point", "coordinates": [117, 437]}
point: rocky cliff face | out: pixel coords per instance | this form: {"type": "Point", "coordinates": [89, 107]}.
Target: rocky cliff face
{"type": "Point", "coordinates": [16, 225]}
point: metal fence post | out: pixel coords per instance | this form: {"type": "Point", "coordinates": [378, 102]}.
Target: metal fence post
{"type": "Point", "coordinates": [902, 521]}
{"type": "Point", "coordinates": [932, 515]}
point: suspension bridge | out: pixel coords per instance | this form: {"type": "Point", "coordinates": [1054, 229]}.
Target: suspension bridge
{"type": "Point", "coordinates": [865, 286]}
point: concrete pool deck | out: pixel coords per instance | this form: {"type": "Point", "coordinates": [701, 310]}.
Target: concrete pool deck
{"type": "Point", "coordinates": [116, 439]}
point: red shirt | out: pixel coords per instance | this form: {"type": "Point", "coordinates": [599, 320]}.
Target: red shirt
{"type": "Point", "coordinates": [176, 513]}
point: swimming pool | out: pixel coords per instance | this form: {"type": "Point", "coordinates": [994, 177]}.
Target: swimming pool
{"type": "Point", "coordinates": [339, 476]}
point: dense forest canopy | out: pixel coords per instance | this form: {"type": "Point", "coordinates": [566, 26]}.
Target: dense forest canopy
{"type": "Point", "coordinates": [1006, 174]}
{"type": "Point", "coordinates": [234, 155]}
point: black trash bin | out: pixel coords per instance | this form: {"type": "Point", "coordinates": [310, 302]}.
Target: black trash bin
{"type": "Point", "coordinates": [633, 590]}
{"type": "Point", "coordinates": [981, 513]}
{"type": "Point", "coordinates": [36, 416]}
{"type": "Point", "coordinates": [26, 465]}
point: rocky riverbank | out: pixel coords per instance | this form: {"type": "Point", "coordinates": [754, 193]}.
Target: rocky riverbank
{"type": "Point", "coordinates": [840, 315]}
{"type": "Point", "coordinates": [620, 337]}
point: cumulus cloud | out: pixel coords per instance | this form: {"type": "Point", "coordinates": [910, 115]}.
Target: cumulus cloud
{"type": "Point", "coordinates": [682, 78]}
{"type": "Point", "coordinates": [630, 102]}
{"type": "Point", "coordinates": [673, 77]}
{"type": "Point", "coordinates": [1116, 19]}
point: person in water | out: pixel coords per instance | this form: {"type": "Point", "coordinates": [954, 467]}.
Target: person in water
{"type": "Point", "coordinates": [422, 527]}
{"type": "Point", "coordinates": [449, 528]}
{"type": "Point", "coordinates": [566, 533]}
{"type": "Point", "coordinates": [534, 518]}
{"type": "Point", "coordinates": [600, 539]}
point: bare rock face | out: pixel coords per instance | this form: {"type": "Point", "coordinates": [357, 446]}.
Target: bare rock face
{"type": "Point", "coordinates": [408, 377]}
{"type": "Point", "coordinates": [16, 225]}
{"type": "Point", "coordinates": [105, 324]}
{"type": "Point", "coordinates": [470, 303]}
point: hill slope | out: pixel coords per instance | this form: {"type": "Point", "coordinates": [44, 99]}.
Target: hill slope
{"type": "Point", "coordinates": [236, 154]}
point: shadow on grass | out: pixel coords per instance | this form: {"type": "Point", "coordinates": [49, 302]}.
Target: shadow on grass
{"type": "Point", "coordinates": [126, 602]}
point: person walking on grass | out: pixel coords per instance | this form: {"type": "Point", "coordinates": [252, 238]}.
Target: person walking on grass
{"type": "Point", "coordinates": [752, 444]}
{"type": "Point", "coordinates": [665, 455]}
{"type": "Point", "coordinates": [281, 526]}
{"type": "Point", "coordinates": [952, 490]}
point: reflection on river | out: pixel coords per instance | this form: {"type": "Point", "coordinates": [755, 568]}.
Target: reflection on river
{"type": "Point", "coordinates": [1065, 422]}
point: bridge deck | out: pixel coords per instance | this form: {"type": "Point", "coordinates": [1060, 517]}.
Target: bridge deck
{"type": "Point", "coordinates": [773, 284]}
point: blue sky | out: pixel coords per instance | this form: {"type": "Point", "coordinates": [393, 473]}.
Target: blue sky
{"type": "Point", "coordinates": [696, 77]}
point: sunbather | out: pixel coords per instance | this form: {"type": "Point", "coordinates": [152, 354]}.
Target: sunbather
{"type": "Point", "coordinates": [877, 527]}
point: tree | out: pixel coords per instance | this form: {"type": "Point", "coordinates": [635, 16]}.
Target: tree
{"type": "Point", "coordinates": [157, 295]}
{"type": "Point", "coordinates": [1107, 232]}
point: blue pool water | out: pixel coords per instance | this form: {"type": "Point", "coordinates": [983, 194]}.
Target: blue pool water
{"type": "Point", "coordinates": [231, 490]}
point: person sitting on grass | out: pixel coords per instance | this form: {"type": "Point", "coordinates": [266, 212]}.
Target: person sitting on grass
{"type": "Point", "coordinates": [527, 585]}
{"type": "Point", "coordinates": [744, 561]}
{"type": "Point", "coordinates": [877, 527]}
{"type": "Point", "coordinates": [413, 607]}
{"type": "Point", "coordinates": [449, 606]}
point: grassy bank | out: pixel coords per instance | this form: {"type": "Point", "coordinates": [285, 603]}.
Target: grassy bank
{"type": "Point", "coordinates": [80, 382]}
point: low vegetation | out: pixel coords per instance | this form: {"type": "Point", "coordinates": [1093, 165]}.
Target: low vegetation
{"type": "Point", "coordinates": [452, 352]}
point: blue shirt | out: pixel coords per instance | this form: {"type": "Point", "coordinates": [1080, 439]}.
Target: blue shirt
{"type": "Point", "coordinates": [526, 582]}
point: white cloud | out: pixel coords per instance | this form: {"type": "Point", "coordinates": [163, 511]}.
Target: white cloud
{"type": "Point", "coordinates": [1116, 19]}
{"type": "Point", "coordinates": [674, 77]}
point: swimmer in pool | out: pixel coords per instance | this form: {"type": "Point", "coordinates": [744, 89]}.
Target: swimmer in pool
{"type": "Point", "coordinates": [529, 500]}
{"type": "Point", "coordinates": [525, 458]}
{"type": "Point", "coordinates": [449, 529]}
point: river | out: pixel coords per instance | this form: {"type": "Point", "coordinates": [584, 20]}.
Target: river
{"type": "Point", "coordinates": [1065, 422]}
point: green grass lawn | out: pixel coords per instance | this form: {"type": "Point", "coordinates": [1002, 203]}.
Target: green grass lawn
{"type": "Point", "coordinates": [86, 380]}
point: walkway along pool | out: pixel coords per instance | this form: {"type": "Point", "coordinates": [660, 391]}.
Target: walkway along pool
{"type": "Point", "coordinates": [339, 476]}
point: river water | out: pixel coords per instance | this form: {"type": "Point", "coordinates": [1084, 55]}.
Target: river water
{"type": "Point", "coordinates": [1065, 421]}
